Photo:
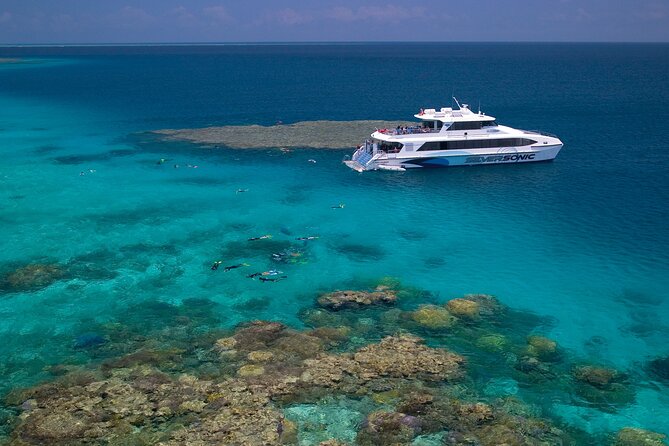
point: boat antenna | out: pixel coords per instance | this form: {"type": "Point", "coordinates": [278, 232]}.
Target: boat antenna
{"type": "Point", "coordinates": [456, 101]}
{"type": "Point", "coordinates": [479, 106]}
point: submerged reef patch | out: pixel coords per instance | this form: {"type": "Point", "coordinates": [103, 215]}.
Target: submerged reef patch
{"type": "Point", "coordinates": [368, 370]}
{"type": "Point", "coordinates": [93, 157]}
{"type": "Point", "coordinates": [338, 300]}
{"type": "Point", "coordinates": [359, 252]}
{"type": "Point", "coordinates": [31, 277]}
{"type": "Point", "coordinates": [306, 134]}
{"type": "Point", "coordinates": [659, 368]}
{"type": "Point", "coordinates": [631, 436]}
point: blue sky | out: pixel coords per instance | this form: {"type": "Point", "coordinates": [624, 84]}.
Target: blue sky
{"type": "Point", "coordinates": [129, 21]}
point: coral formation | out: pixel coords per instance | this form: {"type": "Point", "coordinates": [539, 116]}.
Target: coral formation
{"type": "Point", "coordinates": [31, 277]}
{"type": "Point", "coordinates": [433, 317]}
{"type": "Point", "coordinates": [402, 356]}
{"type": "Point", "coordinates": [542, 348]}
{"type": "Point", "coordinates": [176, 378]}
{"type": "Point", "coordinates": [631, 436]}
{"type": "Point", "coordinates": [311, 134]}
{"type": "Point", "coordinates": [600, 377]}
{"type": "Point", "coordinates": [388, 428]}
{"type": "Point", "coordinates": [464, 308]}
{"type": "Point", "coordinates": [659, 368]}
{"type": "Point", "coordinates": [493, 343]}
{"type": "Point", "coordinates": [339, 300]}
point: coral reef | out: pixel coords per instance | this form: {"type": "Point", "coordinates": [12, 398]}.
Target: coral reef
{"type": "Point", "coordinates": [631, 436]}
{"type": "Point", "coordinates": [168, 375]}
{"type": "Point", "coordinates": [600, 377]}
{"type": "Point", "coordinates": [493, 343]}
{"type": "Point", "coordinates": [339, 300]}
{"type": "Point", "coordinates": [134, 400]}
{"type": "Point", "coordinates": [382, 428]}
{"type": "Point", "coordinates": [464, 308]}
{"type": "Point", "coordinates": [433, 317]}
{"type": "Point", "coordinates": [306, 134]}
{"type": "Point", "coordinates": [659, 368]}
{"type": "Point", "coordinates": [402, 356]}
{"type": "Point", "coordinates": [32, 277]}
{"type": "Point", "coordinates": [542, 348]}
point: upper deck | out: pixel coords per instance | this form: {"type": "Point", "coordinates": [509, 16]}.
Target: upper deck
{"type": "Point", "coordinates": [448, 114]}
{"type": "Point", "coordinates": [445, 123]}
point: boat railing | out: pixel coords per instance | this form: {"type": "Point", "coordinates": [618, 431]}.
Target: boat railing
{"type": "Point", "coordinates": [408, 131]}
{"type": "Point", "coordinates": [539, 132]}
{"type": "Point", "coordinates": [364, 151]}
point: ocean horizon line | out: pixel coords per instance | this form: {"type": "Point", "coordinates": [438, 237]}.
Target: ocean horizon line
{"type": "Point", "coordinates": [334, 42]}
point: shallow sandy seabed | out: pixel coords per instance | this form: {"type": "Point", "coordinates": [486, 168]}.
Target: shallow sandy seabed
{"type": "Point", "coordinates": [306, 134]}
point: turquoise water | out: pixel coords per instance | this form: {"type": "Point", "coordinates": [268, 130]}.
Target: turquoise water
{"type": "Point", "coordinates": [582, 241]}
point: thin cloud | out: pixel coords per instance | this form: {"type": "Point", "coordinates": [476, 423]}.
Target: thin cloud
{"type": "Point", "coordinates": [382, 13]}
{"type": "Point", "coordinates": [218, 13]}
{"type": "Point", "coordinates": [136, 15]}
{"type": "Point", "coordinates": [287, 17]}
{"type": "Point", "coordinates": [582, 15]}
{"type": "Point", "coordinates": [183, 16]}
{"type": "Point", "coordinates": [654, 11]}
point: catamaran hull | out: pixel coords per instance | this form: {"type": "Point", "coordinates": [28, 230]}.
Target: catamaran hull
{"type": "Point", "coordinates": [466, 159]}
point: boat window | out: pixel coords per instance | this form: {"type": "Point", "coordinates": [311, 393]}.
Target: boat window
{"type": "Point", "coordinates": [489, 124]}
{"type": "Point", "coordinates": [465, 125]}
{"type": "Point", "coordinates": [389, 147]}
{"type": "Point", "coordinates": [433, 124]}
{"type": "Point", "coordinates": [476, 144]}
{"type": "Point", "coordinates": [432, 145]}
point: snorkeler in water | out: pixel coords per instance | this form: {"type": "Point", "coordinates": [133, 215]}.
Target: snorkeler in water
{"type": "Point", "coordinates": [272, 272]}
{"type": "Point", "coordinates": [262, 237]}
{"type": "Point", "coordinates": [310, 237]}
{"type": "Point", "coordinates": [162, 161]}
{"type": "Point", "coordinates": [228, 268]}
{"type": "Point", "coordinates": [339, 206]}
{"type": "Point", "coordinates": [266, 279]}
{"type": "Point", "coordinates": [239, 191]}
{"type": "Point", "coordinates": [216, 264]}
{"type": "Point", "coordinates": [262, 275]}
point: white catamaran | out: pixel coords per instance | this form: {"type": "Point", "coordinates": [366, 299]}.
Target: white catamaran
{"type": "Point", "coordinates": [452, 137]}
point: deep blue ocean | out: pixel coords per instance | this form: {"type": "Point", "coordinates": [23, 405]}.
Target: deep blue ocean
{"type": "Point", "coordinates": [582, 241]}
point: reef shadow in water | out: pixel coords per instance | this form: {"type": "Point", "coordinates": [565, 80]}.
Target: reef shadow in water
{"type": "Point", "coordinates": [642, 311]}
{"type": "Point", "coordinates": [635, 298]}
{"type": "Point", "coordinates": [47, 149]}
{"type": "Point", "coordinates": [93, 157]}
{"type": "Point", "coordinates": [105, 264]}
{"type": "Point", "coordinates": [408, 234]}
{"type": "Point", "coordinates": [358, 252]}
{"type": "Point", "coordinates": [434, 262]}
{"type": "Point", "coordinates": [201, 181]}
{"type": "Point", "coordinates": [146, 215]}
{"type": "Point", "coordinates": [253, 305]}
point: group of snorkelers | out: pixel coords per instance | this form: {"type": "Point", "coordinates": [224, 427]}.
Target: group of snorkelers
{"type": "Point", "coordinates": [272, 275]}
{"type": "Point", "coordinates": [176, 166]}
